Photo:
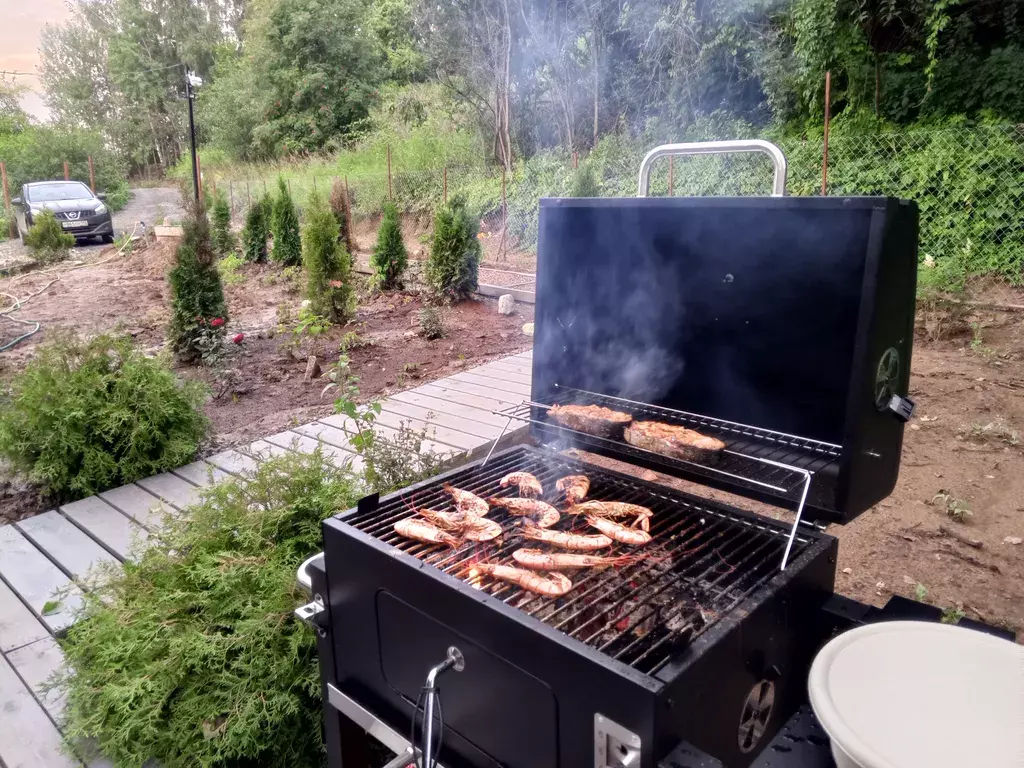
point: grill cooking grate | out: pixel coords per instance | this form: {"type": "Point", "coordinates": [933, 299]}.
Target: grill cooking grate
{"type": "Point", "coordinates": [702, 563]}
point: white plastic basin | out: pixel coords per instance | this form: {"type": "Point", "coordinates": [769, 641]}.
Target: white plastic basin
{"type": "Point", "coordinates": [909, 694]}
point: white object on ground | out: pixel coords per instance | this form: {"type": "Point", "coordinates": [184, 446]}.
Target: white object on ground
{"type": "Point", "coordinates": [907, 694]}
{"type": "Point", "coordinates": [506, 303]}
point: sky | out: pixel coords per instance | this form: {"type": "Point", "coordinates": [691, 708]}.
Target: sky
{"type": "Point", "coordinates": [21, 23]}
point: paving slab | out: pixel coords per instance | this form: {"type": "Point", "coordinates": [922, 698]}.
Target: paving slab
{"type": "Point", "coordinates": [63, 542]}
{"type": "Point", "coordinates": [138, 504]}
{"type": "Point", "coordinates": [172, 489]}
{"type": "Point", "coordinates": [200, 473]}
{"type": "Point", "coordinates": [37, 581]}
{"type": "Point", "coordinates": [111, 528]}
{"type": "Point", "coordinates": [36, 664]}
{"type": "Point", "coordinates": [28, 737]}
{"type": "Point", "coordinates": [18, 626]}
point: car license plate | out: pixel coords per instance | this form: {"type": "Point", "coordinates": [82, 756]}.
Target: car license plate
{"type": "Point", "coordinates": [74, 224]}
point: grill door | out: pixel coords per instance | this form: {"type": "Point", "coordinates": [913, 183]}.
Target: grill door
{"type": "Point", "coordinates": [502, 710]}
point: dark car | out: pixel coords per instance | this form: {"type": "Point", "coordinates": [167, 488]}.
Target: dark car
{"type": "Point", "coordinates": [79, 211]}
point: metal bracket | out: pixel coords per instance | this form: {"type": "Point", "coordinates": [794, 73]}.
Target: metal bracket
{"type": "Point", "coordinates": [615, 746]}
{"type": "Point", "coordinates": [314, 614]}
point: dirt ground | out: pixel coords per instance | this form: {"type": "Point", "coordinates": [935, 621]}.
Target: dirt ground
{"type": "Point", "coordinates": [966, 440]}
{"type": "Point", "coordinates": [260, 389]}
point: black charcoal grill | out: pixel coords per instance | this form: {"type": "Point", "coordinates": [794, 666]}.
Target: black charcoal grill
{"type": "Point", "coordinates": [781, 325]}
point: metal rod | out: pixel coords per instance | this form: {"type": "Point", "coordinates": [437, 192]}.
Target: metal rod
{"type": "Point", "coordinates": [716, 148]}
{"type": "Point", "coordinates": [824, 152]}
{"type": "Point", "coordinates": [497, 440]}
{"type": "Point", "coordinates": [92, 176]}
{"type": "Point", "coordinates": [190, 97]}
{"type": "Point", "coordinates": [796, 521]}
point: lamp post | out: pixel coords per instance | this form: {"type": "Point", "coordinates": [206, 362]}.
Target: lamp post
{"type": "Point", "coordinates": [193, 81]}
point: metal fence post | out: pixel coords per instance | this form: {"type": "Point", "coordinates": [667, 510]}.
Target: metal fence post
{"type": "Point", "coordinates": [92, 176]}
{"type": "Point", "coordinates": [671, 175]}
{"type": "Point", "coordinates": [824, 151]}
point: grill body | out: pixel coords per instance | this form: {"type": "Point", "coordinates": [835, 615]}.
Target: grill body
{"type": "Point", "coordinates": [530, 691]}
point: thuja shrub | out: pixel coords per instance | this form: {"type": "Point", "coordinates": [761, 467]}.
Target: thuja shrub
{"type": "Point", "coordinates": [284, 223]}
{"type": "Point", "coordinates": [257, 229]}
{"type": "Point", "coordinates": [389, 257]}
{"type": "Point", "coordinates": [584, 182]}
{"type": "Point", "coordinates": [198, 309]}
{"type": "Point", "coordinates": [342, 210]}
{"type": "Point", "coordinates": [328, 265]}
{"type": "Point", "coordinates": [88, 415]}
{"type": "Point", "coordinates": [222, 237]}
{"type": "Point", "coordinates": [454, 252]}
{"type": "Point", "coordinates": [191, 655]}
{"type": "Point", "coordinates": [47, 239]}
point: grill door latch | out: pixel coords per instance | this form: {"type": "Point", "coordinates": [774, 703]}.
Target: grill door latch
{"type": "Point", "coordinates": [901, 407]}
{"type": "Point", "coordinates": [614, 746]}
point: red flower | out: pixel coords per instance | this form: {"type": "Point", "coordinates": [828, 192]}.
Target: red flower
{"type": "Point", "coordinates": [217, 322]}
{"type": "Point", "coordinates": [237, 338]}
{"type": "Point", "coordinates": [336, 284]}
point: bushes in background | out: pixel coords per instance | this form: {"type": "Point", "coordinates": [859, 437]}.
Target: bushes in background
{"type": "Point", "coordinates": [85, 416]}
{"type": "Point", "coordinates": [223, 238]}
{"type": "Point", "coordinates": [584, 182]}
{"type": "Point", "coordinates": [284, 224]}
{"type": "Point", "coordinates": [389, 257]}
{"type": "Point", "coordinates": [191, 655]}
{"type": "Point", "coordinates": [257, 229]}
{"type": "Point", "coordinates": [328, 265]}
{"type": "Point", "coordinates": [342, 210]}
{"type": "Point", "coordinates": [198, 310]}
{"type": "Point", "coordinates": [454, 252]}
{"type": "Point", "coordinates": [47, 239]}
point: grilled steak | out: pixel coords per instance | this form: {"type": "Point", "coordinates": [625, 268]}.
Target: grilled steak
{"type": "Point", "coordinates": [592, 419]}
{"type": "Point", "coordinates": [675, 441]}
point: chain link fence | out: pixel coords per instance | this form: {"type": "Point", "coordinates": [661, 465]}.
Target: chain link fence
{"type": "Point", "coordinates": [968, 183]}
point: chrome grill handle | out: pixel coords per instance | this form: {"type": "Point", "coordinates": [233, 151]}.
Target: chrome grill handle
{"type": "Point", "coordinates": [716, 148]}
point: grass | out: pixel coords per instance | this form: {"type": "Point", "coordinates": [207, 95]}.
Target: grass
{"type": "Point", "coordinates": [996, 431]}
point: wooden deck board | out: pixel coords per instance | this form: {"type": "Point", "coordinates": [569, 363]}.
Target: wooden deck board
{"type": "Point", "coordinates": [28, 738]}
{"type": "Point", "coordinates": [459, 386]}
{"type": "Point", "coordinates": [105, 524]}
{"type": "Point", "coordinates": [200, 473]}
{"type": "Point", "coordinates": [18, 626]}
{"type": "Point", "coordinates": [503, 371]}
{"type": "Point", "coordinates": [448, 415]}
{"type": "Point", "coordinates": [296, 441]}
{"type": "Point", "coordinates": [433, 429]}
{"type": "Point", "coordinates": [239, 461]}
{"type": "Point", "coordinates": [471, 407]}
{"type": "Point", "coordinates": [36, 580]}
{"type": "Point", "coordinates": [331, 437]}
{"type": "Point", "coordinates": [513, 365]}
{"type": "Point", "coordinates": [343, 423]}
{"type": "Point", "coordinates": [35, 664]}
{"type": "Point", "coordinates": [140, 505]}
{"type": "Point", "coordinates": [63, 542]}
{"type": "Point", "coordinates": [518, 392]}
{"type": "Point", "coordinates": [172, 489]}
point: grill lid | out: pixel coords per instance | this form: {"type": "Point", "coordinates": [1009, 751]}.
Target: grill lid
{"type": "Point", "coordinates": [782, 326]}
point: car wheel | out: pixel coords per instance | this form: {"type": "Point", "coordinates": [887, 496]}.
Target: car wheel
{"type": "Point", "coordinates": [108, 239]}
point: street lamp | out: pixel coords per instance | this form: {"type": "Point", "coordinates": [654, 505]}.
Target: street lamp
{"type": "Point", "coordinates": [193, 81]}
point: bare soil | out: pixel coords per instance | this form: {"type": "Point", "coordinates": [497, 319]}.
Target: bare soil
{"type": "Point", "coordinates": [260, 389]}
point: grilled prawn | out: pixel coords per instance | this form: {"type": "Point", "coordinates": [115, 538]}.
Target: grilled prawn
{"type": "Point", "coordinates": [423, 531]}
{"type": "Point", "coordinates": [575, 487]}
{"type": "Point", "coordinates": [579, 542]}
{"type": "Point", "coordinates": [467, 502]}
{"type": "Point", "coordinates": [615, 510]}
{"type": "Point", "coordinates": [540, 512]}
{"type": "Point", "coordinates": [458, 523]}
{"type": "Point", "coordinates": [549, 585]}
{"type": "Point", "coordinates": [529, 486]}
{"type": "Point", "coordinates": [539, 560]}
{"type": "Point", "coordinates": [619, 532]}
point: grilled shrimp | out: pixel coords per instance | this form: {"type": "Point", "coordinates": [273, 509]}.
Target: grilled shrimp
{"type": "Point", "coordinates": [619, 532]}
{"type": "Point", "coordinates": [576, 541]}
{"type": "Point", "coordinates": [421, 530]}
{"type": "Point", "coordinates": [550, 585]}
{"type": "Point", "coordinates": [615, 510]}
{"type": "Point", "coordinates": [464, 525]}
{"type": "Point", "coordinates": [575, 487]}
{"type": "Point", "coordinates": [542, 513]}
{"type": "Point", "coordinates": [529, 486]}
{"type": "Point", "coordinates": [467, 502]}
{"type": "Point", "coordinates": [539, 560]}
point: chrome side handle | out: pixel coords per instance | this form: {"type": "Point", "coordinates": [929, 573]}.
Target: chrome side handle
{"type": "Point", "coordinates": [717, 148]}
{"type": "Point", "coordinates": [302, 575]}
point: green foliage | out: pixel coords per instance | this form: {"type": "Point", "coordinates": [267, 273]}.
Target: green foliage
{"type": "Point", "coordinates": [191, 655]}
{"type": "Point", "coordinates": [389, 257]}
{"type": "Point", "coordinates": [454, 252]}
{"type": "Point", "coordinates": [6, 224]}
{"type": "Point", "coordinates": [432, 323]}
{"type": "Point", "coordinates": [584, 182]}
{"type": "Point", "coordinates": [222, 237]}
{"type": "Point", "coordinates": [284, 224]}
{"type": "Point", "coordinates": [328, 266]}
{"type": "Point", "coordinates": [342, 210]}
{"type": "Point", "coordinates": [230, 269]}
{"type": "Point", "coordinates": [85, 416]}
{"type": "Point", "coordinates": [48, 241]}
{"type": "Point", "coordinates": [198, 311]}
{"type": "Point", "coordinates": [257, 229]}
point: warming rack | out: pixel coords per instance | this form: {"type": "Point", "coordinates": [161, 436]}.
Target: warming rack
{"type": "Point", "coordinates": [738, 464]}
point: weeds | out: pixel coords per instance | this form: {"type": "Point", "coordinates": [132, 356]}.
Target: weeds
{"type": "Point", "coordinates": [956, 509]}
{"type": "Point", "coordinates": [230, 269]}
{"type": "Point", "coordinates": [48, 241]}
{"type": "Point", "coordinates": [920, 592]}
{"type": "Point", "coordinates": [432, 323]}
{"type": "Point", "coordinates": [953, 614]}
{"type": "Point", "coordinates": [998, 431]}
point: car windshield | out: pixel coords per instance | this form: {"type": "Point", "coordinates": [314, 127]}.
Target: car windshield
{"type": "Point", "coordinates": [47, 193]}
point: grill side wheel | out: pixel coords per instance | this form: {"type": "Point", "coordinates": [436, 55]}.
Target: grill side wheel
{"type": "Point", "coordinates": [887, 377]}
{"type": "Point", "coordinates": [757, 711]}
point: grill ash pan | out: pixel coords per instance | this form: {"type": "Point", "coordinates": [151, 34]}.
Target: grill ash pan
{"type": "Point", "coordinates": [674, 646]}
